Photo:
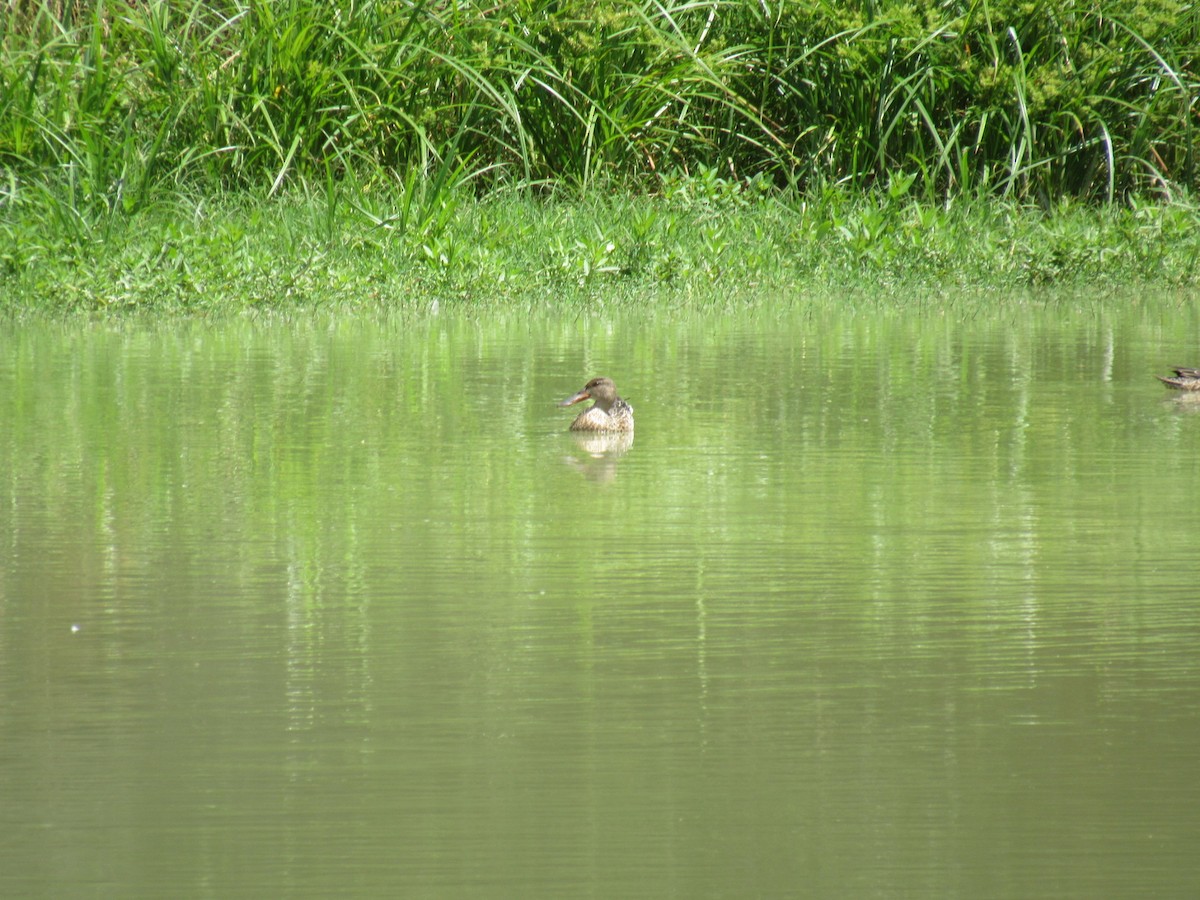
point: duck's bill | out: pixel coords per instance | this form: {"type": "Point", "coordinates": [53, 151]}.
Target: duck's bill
{"type": "Point", "coordinates": [575, 398]}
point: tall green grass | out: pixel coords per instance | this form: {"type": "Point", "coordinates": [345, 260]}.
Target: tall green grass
{"type": "Point", "coordinates": [110, 101]}
{"type": "Point", "coordinates": [1028, 99]}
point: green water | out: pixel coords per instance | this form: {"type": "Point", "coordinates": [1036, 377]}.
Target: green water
{"type": "Point", "coordinates": [874, 604]}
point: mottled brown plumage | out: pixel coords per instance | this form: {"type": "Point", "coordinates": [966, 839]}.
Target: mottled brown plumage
{"type": "Point", "coordinates": [1185, 379]}
{"type": "Point", "coordinates": [608, 412]}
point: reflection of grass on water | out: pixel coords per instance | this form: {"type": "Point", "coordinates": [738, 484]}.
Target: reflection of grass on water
{"type": "Point", "coordinates": [223, 155]}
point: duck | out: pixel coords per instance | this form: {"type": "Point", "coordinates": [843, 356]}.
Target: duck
{"type": "Point", "coordinates": [608, 413]}
{"type": "Point", "coordinates": [1185, 379]}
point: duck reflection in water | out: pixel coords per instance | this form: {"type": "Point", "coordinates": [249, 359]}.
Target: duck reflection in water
{"type": "Point", "coordinates": [598, 462]}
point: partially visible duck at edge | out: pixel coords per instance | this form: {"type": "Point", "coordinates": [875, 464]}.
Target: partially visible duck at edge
{"type": "Point", "coordinates": [1185, 379]}
{"type": "Point", "coordinates": [608, 413]}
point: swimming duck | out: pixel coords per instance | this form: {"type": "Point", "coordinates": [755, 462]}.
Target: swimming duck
{"type": "Point", "coordinates": [1185, 379]}
{"type": "Point", "coordinates": [608, 413]}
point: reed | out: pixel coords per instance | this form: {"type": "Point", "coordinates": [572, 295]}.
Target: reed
{"type": "Point", "coordinates": [116, 100]}
{"type": "Point", "coordinates": [198, 154]}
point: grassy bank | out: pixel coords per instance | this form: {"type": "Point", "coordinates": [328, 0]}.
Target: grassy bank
{"type": "Point", "coordinates": [706, 242]}
{"type": "Point", "coordinates": [198, 154]}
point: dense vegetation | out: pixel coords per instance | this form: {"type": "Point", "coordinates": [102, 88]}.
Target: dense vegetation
{"type": "Point", "coordinates": [704, 242]}
{"type": "Point", "coordinates": [405, 117]}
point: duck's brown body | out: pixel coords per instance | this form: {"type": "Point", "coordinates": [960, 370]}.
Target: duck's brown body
{"type": "Point", "coordinates": [1185, 379]}
{"type": "Point", "coordinates": [608, 413]}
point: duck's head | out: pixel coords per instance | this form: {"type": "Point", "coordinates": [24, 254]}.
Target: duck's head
{"type": "Point", "coordinates": [602, 390]}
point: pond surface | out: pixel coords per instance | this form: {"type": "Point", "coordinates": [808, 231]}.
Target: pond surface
{"type": "Point", "coordinates": [874, 604]}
